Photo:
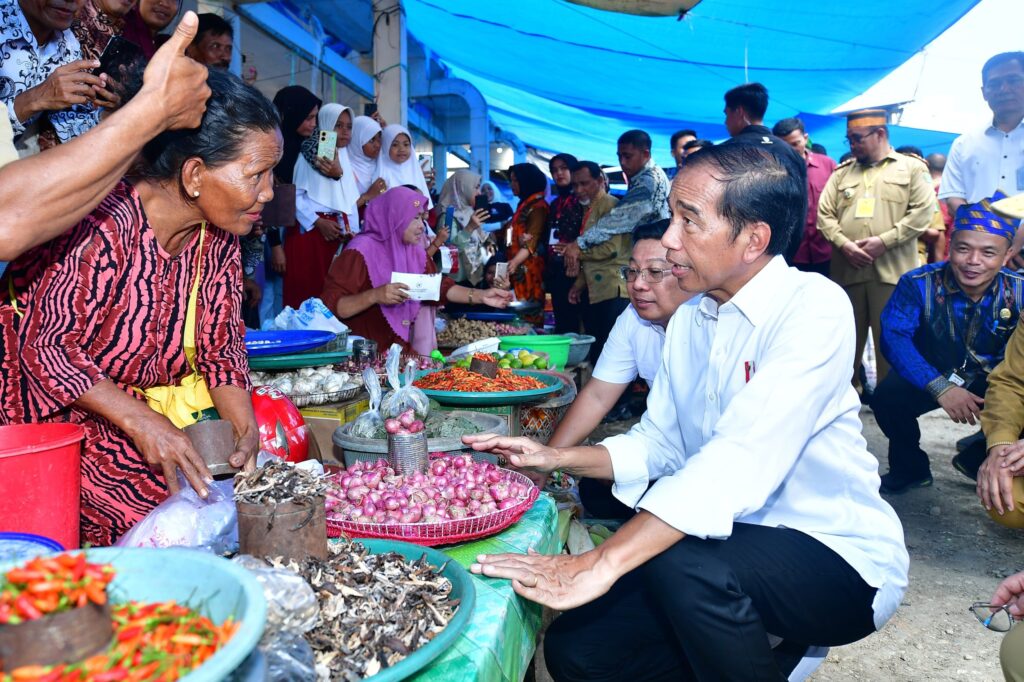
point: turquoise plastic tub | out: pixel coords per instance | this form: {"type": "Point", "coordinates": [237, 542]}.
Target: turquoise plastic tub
{"type": "Point", "coordinates": [557, 347]}
{"type": "Point", "coordinates": [212, 585]}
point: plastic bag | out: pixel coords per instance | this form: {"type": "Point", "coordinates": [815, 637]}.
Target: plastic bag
{"type": "Point", "coordinates": [292, 606]}
{"type": "Point", "coordinates": [368, 423]}
{"type": "Point", "coordinates": [292, 609]}
{"type": "Point", "coordinates": [403, 397]}
{"type": "Point", "coordinates": [186, 520]}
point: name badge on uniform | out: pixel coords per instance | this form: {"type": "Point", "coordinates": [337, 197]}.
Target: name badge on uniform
{"type": "Point", "coordinates": [955, 378]}
{"type": "Point", "coordinates": [865, 208]}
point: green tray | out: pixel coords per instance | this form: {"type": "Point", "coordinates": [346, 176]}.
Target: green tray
{"type": "Point", "coordinates": [552, 385]}
{"type": "Point", "coordinates": [462, 589]}
{"type": "Point", "coordinates": [298, 360]}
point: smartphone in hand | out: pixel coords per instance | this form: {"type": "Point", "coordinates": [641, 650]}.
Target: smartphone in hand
{"type": "Point", "coordinates": [327, 145]}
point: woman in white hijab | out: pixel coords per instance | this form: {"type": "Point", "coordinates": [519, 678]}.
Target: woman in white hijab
{"type": "Point", "coordinates": [325, 208]}
{"type": "Point", "coordinates": [475, 246]}
{"type": "Point", "coordinates": [364, 152]}
{"type": "Point", "coordinates": [396, 162]}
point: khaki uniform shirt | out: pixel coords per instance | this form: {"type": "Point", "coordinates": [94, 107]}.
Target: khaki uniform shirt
{"type": "Point", "coordinates": [1002, 420]}
{"type": "Point", "coordinates": [904, 201]}
{"type": "Point", "coordinates": [7, 151]}
{"type": "Point", "coordinates": [600, 264]}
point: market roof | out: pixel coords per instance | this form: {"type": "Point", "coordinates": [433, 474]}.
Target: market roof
{"type": "Point", "coordinates": [563, 76]}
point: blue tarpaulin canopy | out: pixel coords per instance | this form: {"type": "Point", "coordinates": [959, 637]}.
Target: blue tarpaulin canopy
{"type": "Point", "coordinates": [569, 78]}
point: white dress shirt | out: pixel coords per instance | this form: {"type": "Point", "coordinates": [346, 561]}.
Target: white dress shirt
{"type": "Point", "coordinates": [753, 419]}
{"type": "Point", "coordinates": [633, 349]}
{"type": "Point", "coordinates": [982, 162]}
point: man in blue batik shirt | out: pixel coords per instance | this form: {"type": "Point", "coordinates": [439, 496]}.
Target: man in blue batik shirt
{"type": "Point", "coordinates": [944, 330]}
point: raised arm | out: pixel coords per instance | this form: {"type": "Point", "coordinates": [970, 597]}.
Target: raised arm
{"type": "Point", "coordinates": [46, 194]}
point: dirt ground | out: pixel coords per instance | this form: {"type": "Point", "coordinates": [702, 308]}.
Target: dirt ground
{"type": "Point", "coordinates": [957, 556]}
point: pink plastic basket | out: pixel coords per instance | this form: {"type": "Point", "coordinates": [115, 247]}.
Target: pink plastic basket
{"type": "Point", "coordinates": [445, 532]}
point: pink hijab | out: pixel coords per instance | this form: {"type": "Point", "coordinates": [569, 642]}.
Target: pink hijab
{"type": "Point", "coordinates": [380, 243]}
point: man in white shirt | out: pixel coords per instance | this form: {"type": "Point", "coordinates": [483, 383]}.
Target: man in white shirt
{"type": "Point", "coordinates": [633, 349]}
{"type": "Point", "coordinates": [764, 514]}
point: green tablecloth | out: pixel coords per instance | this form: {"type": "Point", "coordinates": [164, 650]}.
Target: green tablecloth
{"type": "Point", "coordinates": [500, 639]}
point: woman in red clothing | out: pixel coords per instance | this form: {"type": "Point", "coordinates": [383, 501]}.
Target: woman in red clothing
{"type": "Point", "coordinates": [99, 312]}
{"type": "Point", "coordinates": [528, 241]}
{"type": "Point", "coordinates": [359, 288]}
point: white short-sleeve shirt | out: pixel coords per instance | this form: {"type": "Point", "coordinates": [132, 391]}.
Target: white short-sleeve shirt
{"type": "Point", "coordinates": [982, 162]}
{"type": "Point", "coordinates": [633, 349]}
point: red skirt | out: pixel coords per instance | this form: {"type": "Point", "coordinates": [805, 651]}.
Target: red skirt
{"type": "Point", "coordinates": [308, 257]}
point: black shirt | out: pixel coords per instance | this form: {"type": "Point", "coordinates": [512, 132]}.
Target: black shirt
{"type": "Point", "coordinates": [761, 136]}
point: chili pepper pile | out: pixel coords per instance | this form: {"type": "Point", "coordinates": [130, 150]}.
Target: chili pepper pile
{"type": "Point", "coordinates": [152, 643]}
{"type": "Point", "coordinates": [462, 380]}
{"type": "Point", "coordinates": [51, 585]}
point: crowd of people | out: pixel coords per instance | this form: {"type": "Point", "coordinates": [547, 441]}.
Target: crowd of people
{"type": "Point", "coordinates": [180, 205]}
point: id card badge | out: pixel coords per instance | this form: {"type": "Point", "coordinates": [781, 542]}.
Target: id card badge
{"type": "Point", "coordinates": [865, 208]}
{"type": "Point", "coordinates": [446, 260]}
{"type": "Point", "coordinates": [955, 378]}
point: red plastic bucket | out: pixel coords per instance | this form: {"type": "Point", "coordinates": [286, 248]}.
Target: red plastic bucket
{"type": "Point", "coordinates": [40, 480]}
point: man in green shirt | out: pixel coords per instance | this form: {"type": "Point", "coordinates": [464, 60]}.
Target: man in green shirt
{"type": "Point", "coordinates": [601, 263]}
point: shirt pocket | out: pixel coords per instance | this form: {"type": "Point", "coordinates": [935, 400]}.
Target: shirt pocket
{"type": "Point", "coordinates": [895, 187]}
{"type": "Point", "coordinates": [848, 190]}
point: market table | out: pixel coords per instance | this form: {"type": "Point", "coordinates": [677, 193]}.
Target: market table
{"type": "Point", "coordinates": [500, 639]}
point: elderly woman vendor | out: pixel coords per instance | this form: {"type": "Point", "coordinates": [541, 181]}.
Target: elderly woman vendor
{"type": "Point", "coordinates": [99, 313]}
{"type": "Point", "coordinates": [359, 288]}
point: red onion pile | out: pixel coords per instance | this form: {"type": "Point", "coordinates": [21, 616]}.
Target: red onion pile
{"type": "Point", "coordinates": [454, 488]}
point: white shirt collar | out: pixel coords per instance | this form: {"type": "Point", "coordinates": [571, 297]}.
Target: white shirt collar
{"type": "Point", "coordinates": [757, 298]}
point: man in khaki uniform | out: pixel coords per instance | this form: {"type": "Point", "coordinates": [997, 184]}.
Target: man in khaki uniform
{"type": "Point", "coordinates": [601, 263]}
{"type": "Point", "coordinates": [873, 209]}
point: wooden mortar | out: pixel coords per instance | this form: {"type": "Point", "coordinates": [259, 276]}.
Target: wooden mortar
{"type": "Point", "coordinates": [65, 637]}
{"type": "Point", "coordinates": [487, 368]}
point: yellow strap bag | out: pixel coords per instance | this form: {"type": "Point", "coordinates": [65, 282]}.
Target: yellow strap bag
{"type": "Point", "coordinates": [189, 401]}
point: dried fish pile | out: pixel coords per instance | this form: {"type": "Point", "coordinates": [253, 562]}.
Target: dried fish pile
{"type": "Point", "coordinates": [375, 609]}
{"type": "Point", "coordinates": [276, 482]}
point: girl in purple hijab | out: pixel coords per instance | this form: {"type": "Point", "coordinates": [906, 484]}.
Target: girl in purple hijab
{"type": "Point", "coordinates": [359, 288]}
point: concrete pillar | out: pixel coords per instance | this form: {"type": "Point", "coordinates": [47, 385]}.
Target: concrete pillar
{"type": "Point", "coordinates": [390, 61]}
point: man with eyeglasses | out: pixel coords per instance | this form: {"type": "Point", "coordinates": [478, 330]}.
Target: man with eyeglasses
{"type": "Point", "coordinates": [633, 350]}
{"type": "Point", "coordinates": [992, 159]}
{"type": "Point", "coordinates": [872, 210]}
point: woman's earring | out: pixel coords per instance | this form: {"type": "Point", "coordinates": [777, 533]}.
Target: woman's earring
{"type": "Point", "coordinates": [195, 194]}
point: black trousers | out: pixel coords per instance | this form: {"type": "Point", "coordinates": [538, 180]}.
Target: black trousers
{"type": "Point", "coordinates": [568, 317]}
{"type": "Point", "coordinates": [897, 404]}
{"type": "Point", "coordinates": [599, 318]}
{"type": "Point", "coordinates": [702, 610]}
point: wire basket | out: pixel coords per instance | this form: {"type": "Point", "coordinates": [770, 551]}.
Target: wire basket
{"type": "Point", "coordinates": [445, 532]}
{"type": "Point", "coordinates": [306, 399]}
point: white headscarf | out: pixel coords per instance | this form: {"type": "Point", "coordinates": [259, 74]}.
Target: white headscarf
{"type": "Point", "coordinates": [459, 191]}
{"type": "Point", "coordinates": [405, 173]}
{"type": "Point", "coordinates": [365, 168]}
{"type": "Point", "coordinates": [341, 195]}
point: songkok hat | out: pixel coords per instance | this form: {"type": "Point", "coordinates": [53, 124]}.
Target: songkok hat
{"type": "Point", "coordinates": [1013, 207]}
{"type": "Point", "coordinates": [980, 217]}
{"type": "Point", "coordinates": [867, 118]}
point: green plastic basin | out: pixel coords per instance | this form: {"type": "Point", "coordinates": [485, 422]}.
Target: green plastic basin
{"type": "Point", "coordinates": [557, 347]}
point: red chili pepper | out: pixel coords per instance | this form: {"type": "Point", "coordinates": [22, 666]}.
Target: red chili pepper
{"type": "Point", "coordinates": [45, 586]}
{"type": "Point", "coordinates": [26, 608]}
{"type": "Point", "coordinates": [129, 633]}
{"type": "Point", "coordinates": [24, 575]}
{"type": "Point", "coordinates": [96, 592]}
{"type": "Point", "coordinates": [111, 675]}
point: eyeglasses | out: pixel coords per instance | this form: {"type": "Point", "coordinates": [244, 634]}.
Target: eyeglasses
{"type": "Point", "coordinates": [994, 617]}
{"type": "Point", "coordinates": [1012, 81]}
{"type": "Point", "coordinates": [854, 138]}
{"type": "Point", "coordinates": [649, 275]}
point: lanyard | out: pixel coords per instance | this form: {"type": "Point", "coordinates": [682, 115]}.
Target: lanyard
{"type": "Point", "coordinates": [869, 180]}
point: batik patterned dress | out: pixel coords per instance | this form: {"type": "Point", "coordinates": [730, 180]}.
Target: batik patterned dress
{"type": "Point", "coordinates": [530, 219]}
{"type": "Point", "coordinates": [105, 301]}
